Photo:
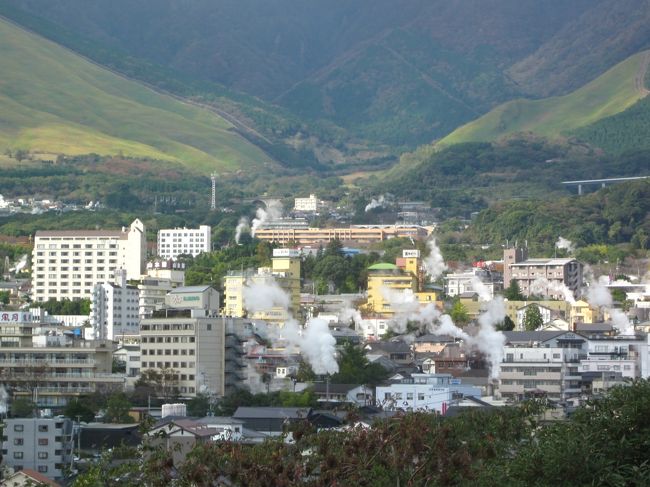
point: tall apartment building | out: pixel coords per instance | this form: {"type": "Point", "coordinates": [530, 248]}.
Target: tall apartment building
{"type": "Point", "coordinates": [39, 444]}
{"type": "Point", "coordinates": [114, 309]}
{"type": "Point", "coordinates": [191, 340]}
{"type": "Point", "coordinates": [518, 267]}
{"type": "Point", "coordinates": [285, 271]}
{"type": "Point", "coordinates": [38, 362]}
{"type": "Point", "coordinates": [184, 241]}
{"type": "Point", "coordinates": [68, 263]}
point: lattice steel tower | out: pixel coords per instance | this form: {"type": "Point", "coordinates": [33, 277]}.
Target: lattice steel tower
{"type": "Point", "coordinates": [213, 201]}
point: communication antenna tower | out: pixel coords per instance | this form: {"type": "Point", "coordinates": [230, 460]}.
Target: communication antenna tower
{"type": "Point", "coordinates": [213, 201]}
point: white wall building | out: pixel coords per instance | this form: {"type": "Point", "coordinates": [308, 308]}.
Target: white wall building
{"type": "Point", "coordinates": [458, 283]}
{"type": "Point", "coordinates": [162, 277]}
{"type": "Point", "coordinates": [372, 328]}
{"type": "Point", "coordinates": [424, 392]}
{"type": "Point", "coordinates": [114, 309]}
{"type": "Point", "coordinates": [311, 204]}
{"type": "Point", "coordinates": [184, 241]}
{"type": "Point", "coordinates": [68, 263]}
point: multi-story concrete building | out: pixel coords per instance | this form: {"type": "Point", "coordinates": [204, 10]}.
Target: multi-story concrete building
{"type": "Point", "coordinates": [198, 348]}
{"type": "Point", "coordinates": [39, 362]}
{"type": "Point", "coordinates": [68, 263]}
{"type": "Point", "coordinates": [184, 241]}
{"type": "Point", "coordinates": [355, 233]}
{"type": "Point", "coordinates": [162, 276]}
{"type": "Point", "coordinates": [395, 288]}
{"type": "Point", "coordinates": [285, 272]}
{"type": "Point", "coordinates": [424, 392]}
{"type": "Point", "coordinates": [39, 444]}
{"type": "Point", "coordinates": [542, 361]}
{"type": "Point", "coordinates": [544, 277]}
{"type": "Point", "coordinates": [114, 309]}
{"type": "Point", "coordinates": [627, 354]}
{"type": "Point", "coordinates": [554, 371]}
{"type": "Point", "coordinates": [307, 205]}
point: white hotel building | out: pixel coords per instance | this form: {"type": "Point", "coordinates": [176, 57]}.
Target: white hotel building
{"type": "Point", "coordinates": [68, 263]}
{"type": "Point", "coordinates": [188, 241]}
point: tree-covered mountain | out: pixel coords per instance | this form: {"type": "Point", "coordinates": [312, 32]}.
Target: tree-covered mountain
{"type": "Point", "coordinates": [608, 95]}
{"type": "Point", "coordinates": [472, 176]}
{"type": "Point", "coordinates": [398, 73]}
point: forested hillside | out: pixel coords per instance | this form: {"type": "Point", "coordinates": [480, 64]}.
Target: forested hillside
{"type": "Point", "coordinates": [468, 177]}
{"type": "Point", "coordinates": [611, 93]}
{"type": "Point", "coordinates": [397, 76]}
{"type": "Point", "coordinates": [616, 214]}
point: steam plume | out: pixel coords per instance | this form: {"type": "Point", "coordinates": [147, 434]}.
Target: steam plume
{"type": "Point", "coordinates": [544, 287]}
{"type": "Point", "coordinates": [242, 226]}
{"type": "Point", "coordinates": [434, 264]}
{"type": "Point", "coordinates": [273, 211]}
{"type": "Point", "coordinates": [566, 244]}
{"type": "Point", "coordinates": [481, 289]}
{"type": "Point", "coordinates": [599, 295]}
{"type": "Point", "coordinates": [375, 203]}
{"type": "Point", "coordinates": [315, 341]}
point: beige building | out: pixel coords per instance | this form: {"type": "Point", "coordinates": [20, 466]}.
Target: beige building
{"type": "Point", "coordinates": [541, 276]}
{"type": "Point", "coordinates": [50, 368]}
{"type": "Point", "coordinates": [284, 271]}
{"type": "Point", "coordinates": [68, 263]}
{"type": "Point", "coordinates": [355, 233]}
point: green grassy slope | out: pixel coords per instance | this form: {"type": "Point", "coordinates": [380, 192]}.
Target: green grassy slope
{"type": "Point", "coordinates": [609, 94]}
{"type": "Point", "coordinates": [53, 101]}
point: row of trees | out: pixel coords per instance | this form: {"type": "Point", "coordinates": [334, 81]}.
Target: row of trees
{"type": "Point", "coordinates": [603, 443]}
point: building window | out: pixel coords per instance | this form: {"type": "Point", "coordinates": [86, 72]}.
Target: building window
{"type": "Point", "coordinates": [42, 441]}
{"type": "Point", "coordinates": [42, 468]}
{"type": "Point", "coordinates": [42, 455]}
{"type": "Point", "coordinates": [42, 428]}
{"type": "Point", "coordinates": [18, 441]}
{"type": "Point", "coordinates": [18, 455]}
{"type": "Point", "coordinates": [18, 427]}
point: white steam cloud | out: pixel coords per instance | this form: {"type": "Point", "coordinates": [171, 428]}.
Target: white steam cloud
{"type": "Point", "coordinates": [566, 244]}
{"type": "Point", "coordinates": [273, 211]}
{"type": "Point", "coordinates": [598, 295]}
{"type": "Point", "coordinates": [481, 289]}
{"type": "Point", "coordinates": [543, 287]}
{"type": "Point", "coordinates": [315, 341]}
{"type": "Point", "coordinates": [375, 203]}
{"type": "Point", "coordinates": [242, 226]}
{"type": "Point", "coordinates": [488, 340]}
{"type": "Point", "coordinates": [434, 264]}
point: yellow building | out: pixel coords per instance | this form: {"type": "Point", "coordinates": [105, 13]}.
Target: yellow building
{"type": "Point", "coordinates": [582, 312]}
{"type": "Point", "coordinates": [285, 272]}
{"type": "Point", "coordinates": [397, 283]}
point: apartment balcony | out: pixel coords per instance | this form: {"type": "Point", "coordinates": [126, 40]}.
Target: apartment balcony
{"type": "Point", "coordinates": [46, 362]}
{"type": "Point", "coordinates": [538, 376]}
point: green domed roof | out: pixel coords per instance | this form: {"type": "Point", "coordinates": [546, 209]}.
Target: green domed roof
{"type": "Point", "coordinates": [383, 266]}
